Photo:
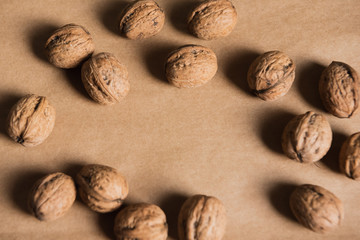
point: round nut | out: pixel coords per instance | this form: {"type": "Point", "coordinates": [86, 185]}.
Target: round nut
{"type": "Point", "coordinates": [69, 46]}
{"type": "Point", "coordinates": [350, 157]}
{"type": "Point", "coordinates": [141, 221]}
{"type": "Point", "coordinates": [105, 78]}
{"type": "Point", "coordinates": [271, 75]}
{"type": "Point", "coordinates": [102, 188]}
{"type": "Point", "coordinates": [316, 208]}
{"type": "Point", "coordinates": [202, 218]}
{"type": "Point", "coordinates": [212, 19]}
{"type": "Point", "coordinates": [31, 120]}
{"type": "Point", "coordinates": [307, 137]}
{"type": "Point", "coordinates": [52, 196]}
{"type": "Point", "coordinates": [191, 66]}
{"type": "Point", "coordinates": [142, 19]}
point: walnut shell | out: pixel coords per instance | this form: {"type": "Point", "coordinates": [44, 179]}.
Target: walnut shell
{"type": "Point", "coordinates": [142, 19]}
{"type": "Point", "coordinates": [31, 120]}
{"type": "Point", "coordinates": [339, 89]}
{"type": "Point", "coordinates": [191, 66]}
{"type": "Point", "coordinates": [316, 208]}
{"type": "Point", "coordinates": [141, 221]}
{"type": "Point", "coordinates": [212, 19]}
{"type": "Point", "coordinates": [202, 218]}
{"type": "Point", "coordinates": [105, 78]}
{"type": "Point", "coordinates": [102, 188]}
{"type": "Point", "coordinates": [68, 46]}
{"type": "Point", "coordinates": [350, 157]}
{"type": "Point", "coordinates": [52, 196]}
{"type": "Point", "coordinates": [307, 137]}
{"type": "Point", "coordinates": [271, 75]}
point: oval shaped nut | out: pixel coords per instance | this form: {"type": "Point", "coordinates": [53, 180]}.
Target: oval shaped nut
{"type": "Point", "coordinates": [68, 46]}
{"type": "Point", "coordinates": [212, 19]}
{"type": "Point", "coordinates": [202, 218]}
{"type": "Point", "coordinates": [339, 89]}
{"type": "Point", "coordinates": [316, 208]}
{"type": "Point", "coordinates": [191, 66]}
{"type": "Point", "coordinates": [271, 75]}
{"type": "Point", "coordinates": [105, 79]}
{"type": "Point", "coordinates": [142, 19]}
{"type": "Point", "coordinates": [307, 137]}
{"type": "Point", "coordinates": [31, 120]}
{"type": "Point", "coordinates": [141, 221]}
{"type": "Point", "coordinates": [350, 157]}
{"type": "Point", "coordinates": [52, 196]}
{"type": "Point", "coordinates": [102, 188]}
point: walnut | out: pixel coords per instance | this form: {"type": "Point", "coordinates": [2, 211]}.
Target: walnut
{"type": "Point", "coordinates": [52, 196]}
{"type": "Point", "coordinates": [141, 221]}
{"type": "Point", "coordinates": [191, 66]}
{"type": "Point", "coordinates": [350, 157]}
{"type": "Point", "coordinates": [105, 78]}
{"type": "Point", "coordinates": [307, 137]}
{"type": "Point", "coordinates": [31, 120]}
{"type": "Point", "coordinates": [102, 188]}
{"type": "Point", "coordinates": [68, 46]}
{"type": "Point", "coordinates": [202, 218]}
{"type": "Point", "coordinates": [271, 75]}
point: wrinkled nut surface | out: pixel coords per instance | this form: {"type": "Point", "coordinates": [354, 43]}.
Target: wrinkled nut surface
{"type": "Point", "coordinates": [31, 120]}
{"type": "Point", "coordinates": [307, 137]}
{"type": "Point", "coordinates": [271, 75]}
{"type": "Point", "coordinates": [68, 46]}
{"type": "Point", "coordinates": [102, 188]}
{"type": "Point", "coordinates": [105, 78]}
{"type": "Point", "coordinates": [350, 157]}
{"type": "Point", "coordinates": [212, 19]}
{"type": "Point", "coordinates": [339, 89]}
{"type": "Point", "coordinates": [202, 218]}
{"type": "Point", "coordinates": [191, 66]}
{"type": "Point", "coordinates": [52, 196]}
{"type": "Point", "coordinates": [141, 221]}
{"type": "Point", "coordinates": [142, 19]}
{"type": "Point", "coordinates": [316, 208]}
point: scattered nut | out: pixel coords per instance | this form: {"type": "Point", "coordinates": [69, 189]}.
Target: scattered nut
{"type": "Point", "coordinates": [350, 157]}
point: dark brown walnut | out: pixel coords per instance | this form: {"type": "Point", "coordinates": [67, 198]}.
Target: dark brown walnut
{"type": "Point", "coordinates": [102, 188]}
{"type": "Point", "coordinates": [307, 137]}
{"type": "Point", "coordinates": [271, 75]}
{"type": "Point", "coordinates": [202, 218]}
{"type": "Point", "coordinates": [191, 66]}
{"type": "Point", "coordinates": [350, 157]}
{"type": "Point", "coordinates": [142, 19]}
{"type": "Point", "coordinates": [52, 196]}
{"type": "Point", "coordinates": [212, 19]}
{"type": "Point", "coordinates": [68, 46]}
{"type": "Point", "coordinates": [141, 221]}
{"type": "Point", "coordinates": [339, 89]}
{"type": "Point", "coordinates": [31, 120]}
{"type": "Point", "coordinates": [105, 78]}
{"type": "Point", "coordinates": [316, 208]}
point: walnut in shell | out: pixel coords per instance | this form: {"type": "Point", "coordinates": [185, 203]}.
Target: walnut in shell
{"type": "Point", "coordinates": [202, 218]}
{"type": "Point", "coordinates": [141, 221]}
{"type": "Point", "coordinates": [68, 46]}
{"type": "Point", "coordinates": [52, 196]}
{"type": "Point", "coordinates": [307, 137]}
{"type": "Point", "coordinates": [31, 120]}
{"type": "Point", "coordinates": [350, 157]}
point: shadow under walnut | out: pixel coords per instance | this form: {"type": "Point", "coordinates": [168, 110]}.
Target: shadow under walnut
{"type": "Point", "coordinates": [179, 12]}
{"type": "Point", "coordinates": [110, 14]}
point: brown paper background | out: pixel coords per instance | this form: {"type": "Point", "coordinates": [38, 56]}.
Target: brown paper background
{"type": "Point", "coordinates": [171, 143]}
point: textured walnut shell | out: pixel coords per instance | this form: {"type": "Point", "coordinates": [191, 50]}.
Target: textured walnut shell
{"type": "Point", "coordinates": [52, 196]}
{"type": "Point", "coordinates": [142, 19]}
{"type": "Point", "coordinates": [202, 218]}
{"type": "Point", "coordinates": [307, 137]}
{"type": "Point", "coordinates": [271, 75]}
{"type": "Point", "coordinates": [316, 208]}
{"type": "Point", "coordinates": [339, 89]}
{"type": "Point", "coordinates": [141, 221]}
{"type": "Point", "coordinates": [350, 157]}
{"type": "Point", "coordinates": [212, 19]}
{"type": "Point", "coordinates": [31, 120]}
{"type": "Point", "coordinates": [191, 66]}
{"type": "Point", "coordinates": [105, 78]}
{"type": "Point", "coordinates": [68, 46]}
{"type": "Point", "coordinates": [102, 188]}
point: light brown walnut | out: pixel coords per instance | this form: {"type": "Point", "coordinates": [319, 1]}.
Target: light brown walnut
{"type": "Point", "coordinates": [350, 157]}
